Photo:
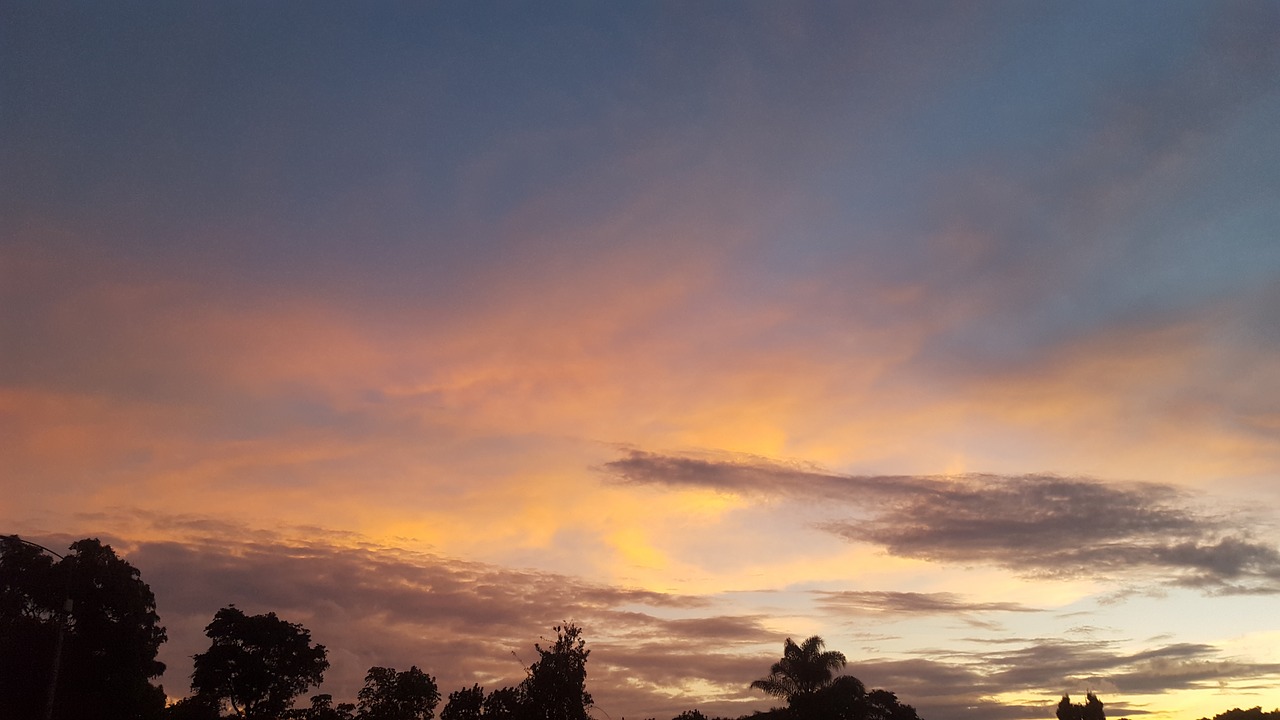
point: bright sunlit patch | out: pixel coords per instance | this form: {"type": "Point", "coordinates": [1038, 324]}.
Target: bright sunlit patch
{"type": "Point", "coordinates": [706, 505]}
{"type": "Point", "coordinates": [738, 433]}
{"type": "Point", "coordinates": [957, 465]}
{"type": "Point", "coordinates": [420, 535]}
{"type": "Point", "coordinates": [795, 626]}
{"type": "Point", "coordinates": [1263, 646]}
{"type": "Point", "coordinates": [997, 585]}
{"type": "Point", "coordinates": [635, 549]}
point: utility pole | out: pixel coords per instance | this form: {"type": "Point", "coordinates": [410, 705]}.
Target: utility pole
{"type": "Point", "coordinates": [62, 633]}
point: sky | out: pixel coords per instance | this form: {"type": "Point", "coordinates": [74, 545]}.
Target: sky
{"type": "Point", "coordinates": [947, 332]}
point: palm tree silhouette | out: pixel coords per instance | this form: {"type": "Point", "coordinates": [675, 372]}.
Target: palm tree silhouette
{"type": "Point", "coordinates": [803, 670]}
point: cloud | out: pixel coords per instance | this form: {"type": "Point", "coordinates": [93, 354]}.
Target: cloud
{"type": "Point", "coordinates": [909, 603]}
{"type": "Point", "coordinates": [653, 654]}
{"type": "Point", "coordinates": [464, 622]}
{"type": "Point", "coordinates": [1076, 665]}
{"type": "Point", "coordinates": [1037, 525]}
{"type": "Point", "coordinates": [748, 474]}
{"type": "Point", "coordinates": [984, 683]}
{"type": "Point", "coordinates": [1069, 527]}
{"type": "Point", "coordinates": [671, 675]}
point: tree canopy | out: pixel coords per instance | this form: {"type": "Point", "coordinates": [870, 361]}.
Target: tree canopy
{"type": "Point", "coordinates": [506, 703]}
{"type": "Point", "coordinates": [110, 634]}
{"type": "Point", "coordinates": [803, 670]}
{"type": "Point", "coordinates": [556, 687]}
{"type": "Point", "coordinates": [464, 704]}
{"type": "Point", "coordinates": [257, 663]}
{"type": "Point", "coordinates": [322, 708]}
{"type": "Point", "coordinates": [805, 678]}
{"type": "Point", "coordinates": [391, 695]}
{"type": "Point", "coordinates": [1090, 710]}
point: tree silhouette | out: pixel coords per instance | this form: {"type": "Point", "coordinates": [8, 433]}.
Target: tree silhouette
{"type": "Point", "coordinates": [322, 708]}
{"type": "Point", "coordinates": [506, 703]}
{"type": "Point", "coordinates": [805, 678]}
{"type": "Point", "coordinates": [555, 688]}
{"type": "Point", "coordinates": [803, 670]}
{"type": "Point", "coordinates": [844, 698]}
{"type": "Point", "coordinates": [391, 695]}
{"type": "Point", "coordinates": [193, 708]}
{"type": "Point", "coordinates": [464, 704]}
{"type": "Point", "coordinates": [257, 663]}
{"type": "Point", "coordinates": [884, 705]}
{"type": "Point", "coordinates": [110, 634]}
{"type": "Point", "coordinates": [1090, 710]}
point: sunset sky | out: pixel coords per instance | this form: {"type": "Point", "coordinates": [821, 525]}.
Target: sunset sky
{"type": "Point", "coordinates": [950, 333]}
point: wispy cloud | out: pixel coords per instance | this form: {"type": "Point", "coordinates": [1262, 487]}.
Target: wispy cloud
{"type": "Point", "coordinates": [909, 603]}
{"type": "Point", "coordinates": [968, 684]}
{"type": "Point", "coordinates": [1040, 525]}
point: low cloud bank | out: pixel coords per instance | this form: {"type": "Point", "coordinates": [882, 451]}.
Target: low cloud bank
{"type": "Point", "coordinates": [653, 654]}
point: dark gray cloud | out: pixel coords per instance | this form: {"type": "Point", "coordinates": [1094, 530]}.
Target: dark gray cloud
{"type": "Point", "coordinates": [908, 603]}
{"type": "Point", "coordinates": [752, 474]}
{"type": "Point", "coordinates": [1034, 524]}
{"type": "Point", "coordinates": [720, 630]}
{"type": "Point", "coordinates": [1069, 527]}
{"type": "Point", "coordinates": [1106, 664]}
{"type": "Point", "coordinates": [960, 685]}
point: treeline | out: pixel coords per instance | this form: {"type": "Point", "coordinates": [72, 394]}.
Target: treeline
{"type": "Point", "coordinates": [258, 665]}
{"type": "Point", "coordinates": [79, 636]}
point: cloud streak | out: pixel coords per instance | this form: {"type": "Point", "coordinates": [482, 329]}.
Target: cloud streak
{"type": "Point", "coordinates": [1039, 525]}
{"type": "Point", "coordinates": [909, 603]}
{"type": "Point", "coordinates": [985, 683]}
